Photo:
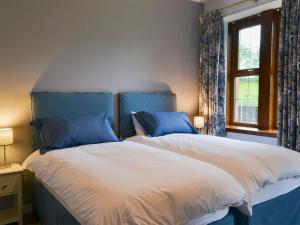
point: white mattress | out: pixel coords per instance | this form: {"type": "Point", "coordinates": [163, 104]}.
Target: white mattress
{"type": "Point", "coordinates": [271, 191]}
{"type": "Point", "coordinates": [210, 218]}
{"type": "Point", "coordinates": [265, 194]}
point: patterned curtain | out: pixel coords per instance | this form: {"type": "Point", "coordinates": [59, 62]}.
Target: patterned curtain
{"type": "Point", "coordinates": [289, 76]}
{"type": "Point", "coordinates": [212, 73]}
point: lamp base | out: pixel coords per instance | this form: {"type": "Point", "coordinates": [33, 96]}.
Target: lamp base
{"type": "Point", "coordinates": [4, 165]}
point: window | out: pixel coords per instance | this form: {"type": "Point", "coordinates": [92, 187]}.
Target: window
{"type": "Point", "coordinates": [252, 64]}
{"type": "Point", "coordinates": [249, 47]}
{"type": "Point", "coordinates": [246, 99]}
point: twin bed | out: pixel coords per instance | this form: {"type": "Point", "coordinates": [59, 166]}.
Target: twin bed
{"type": "Point", "coordinates": [172, 179]}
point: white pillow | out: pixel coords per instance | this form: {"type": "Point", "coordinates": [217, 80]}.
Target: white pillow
{"type": "Point", "coordinates": [139, 130]}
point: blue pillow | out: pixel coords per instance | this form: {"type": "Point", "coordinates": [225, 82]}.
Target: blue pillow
{"type": "Point", "coordinates": [66, 132]}
{"type": "Point", "coordinates": [162, 123]}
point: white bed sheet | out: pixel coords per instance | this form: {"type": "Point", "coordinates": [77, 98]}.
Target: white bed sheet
{"type": "Point", "coordinates": [74, 174]}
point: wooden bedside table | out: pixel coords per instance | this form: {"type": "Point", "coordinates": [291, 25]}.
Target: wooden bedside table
{"type": "Point", "coordinates": [11, 185]}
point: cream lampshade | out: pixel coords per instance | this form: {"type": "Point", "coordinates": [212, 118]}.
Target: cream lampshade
{"type": "Point", "coordinates": [199, 122]}
{"type": "Point", "coordinates": [6, 138]}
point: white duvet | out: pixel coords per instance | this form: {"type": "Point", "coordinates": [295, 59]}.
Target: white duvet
{"type": "Point", "coordinates": [128, 183]}
{"type": "Point", "coordinates": [253, 165]}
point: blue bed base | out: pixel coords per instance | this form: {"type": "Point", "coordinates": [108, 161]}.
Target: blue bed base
{"type": "Point", "coordinates": [48, 209]}
{"type": "Point", "coordinates": [283, 210]}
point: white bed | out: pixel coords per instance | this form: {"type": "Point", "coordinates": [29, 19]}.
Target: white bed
{"type": "Point", "coordinates": [264, 171]}
{"type": "Point", "coordinates": [126, 183]}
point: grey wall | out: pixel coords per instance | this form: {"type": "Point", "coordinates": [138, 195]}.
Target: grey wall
{"type": "Point", "coordinates": [93, 45]}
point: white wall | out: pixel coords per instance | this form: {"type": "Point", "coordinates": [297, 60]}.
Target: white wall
{"type": "Point", "coordinates": [254, 138]}
{"type": "Point", "coordinates": [239, 14]}
{"type": "Point", "coordinates": [217, 4]}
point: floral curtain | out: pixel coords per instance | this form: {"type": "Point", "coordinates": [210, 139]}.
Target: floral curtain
{"type": "Point", "coordinates": [212, 72]}
{"type": "Point", "coordinates": [289, 76]}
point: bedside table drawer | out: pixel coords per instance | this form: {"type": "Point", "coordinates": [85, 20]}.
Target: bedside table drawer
{"type": "Point", "coordinates": [9, 183]}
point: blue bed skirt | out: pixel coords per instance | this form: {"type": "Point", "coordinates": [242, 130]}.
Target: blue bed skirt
{"type": "Point", "coordinates": [48, 209]}
{"type": "Point", "coordinates": [283, 210]}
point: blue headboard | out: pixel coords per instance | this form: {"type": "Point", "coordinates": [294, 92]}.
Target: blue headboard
{"type": "Point", "coordinates": [153, 102]}
{"type": "Point", "coordinates": [49, 104]}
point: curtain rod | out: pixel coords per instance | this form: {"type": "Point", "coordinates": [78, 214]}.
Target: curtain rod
{"type": "Point", "coordinates": [237, 3]}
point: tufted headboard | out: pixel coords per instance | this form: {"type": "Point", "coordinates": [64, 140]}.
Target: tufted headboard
{"type": "Point", "coordinates": [50, 104]}
{"type": "Point", "coordinates": [134, 101]}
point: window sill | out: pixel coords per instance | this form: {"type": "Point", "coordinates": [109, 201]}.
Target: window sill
{"type": "Point", "coordinates": [251, 131]}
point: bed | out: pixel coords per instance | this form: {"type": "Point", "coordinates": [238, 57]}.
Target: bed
{"type": "Point", "coordinates": [274, 203]}
{"type": "Point", "coordinates": [46, 104]}
{"type": "Point", "coordinates": [50, 201]}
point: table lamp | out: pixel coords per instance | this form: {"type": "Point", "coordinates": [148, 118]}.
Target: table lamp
{"type": "Point", "coordinates": [6, 138]}
{"type": "Point", "coordinates": [199, 122]}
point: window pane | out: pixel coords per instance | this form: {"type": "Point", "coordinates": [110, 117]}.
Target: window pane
{"type": "Point", "coordinates": [246, 99]}
{"type": "Point", "coordinates": [249, 47]}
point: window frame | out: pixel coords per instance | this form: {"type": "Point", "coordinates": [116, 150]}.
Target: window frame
{"type": "Point", "coordinates": [267, 71]}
